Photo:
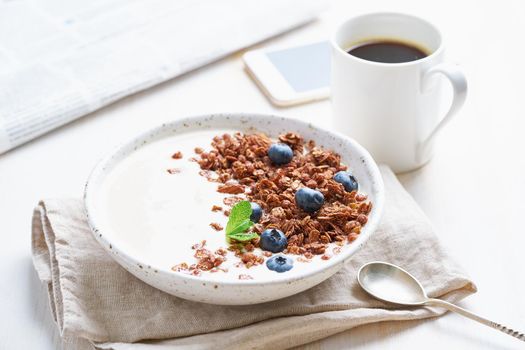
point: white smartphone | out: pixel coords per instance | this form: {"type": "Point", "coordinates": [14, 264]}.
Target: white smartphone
{"type": "Point", "coordinates": [293, 75]}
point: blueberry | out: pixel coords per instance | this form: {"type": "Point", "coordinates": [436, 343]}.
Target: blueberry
{"type": "Point", "coordinates": [256, 212]}
{"type": "Point", "coordinates": [309, 200]}
{"type": "Point", "coordinates": [280, 153]}
{"type": "Point", "coordinates": [273, 240]}
{"type": "Point", "coordinates": [346, 179]}
{"type": "Point", "coordinates": [279, 263]}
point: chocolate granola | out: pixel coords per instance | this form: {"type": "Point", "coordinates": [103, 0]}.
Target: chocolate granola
{"type": "Point", "coordinates": [206, 260]}
{"type": "Point", "coordinates": [216, 226]}
{"type": "Point", "coordinates": [241, 165]}
{"type": "Point", "coordinates": [177, 155]}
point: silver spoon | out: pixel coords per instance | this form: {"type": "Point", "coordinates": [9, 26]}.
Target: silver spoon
{"type": "Point", "coordinates": [392, 284]}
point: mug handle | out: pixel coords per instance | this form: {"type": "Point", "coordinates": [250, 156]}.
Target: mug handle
{"type": "Point", "coordinates": [459, 85]}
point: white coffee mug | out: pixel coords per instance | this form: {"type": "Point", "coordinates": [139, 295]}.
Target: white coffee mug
{"type": "Point", "coordinates": [392, 108]}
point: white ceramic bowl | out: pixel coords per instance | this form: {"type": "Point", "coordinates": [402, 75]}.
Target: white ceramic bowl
{"type": "Point", "coordinates": [150, 262]}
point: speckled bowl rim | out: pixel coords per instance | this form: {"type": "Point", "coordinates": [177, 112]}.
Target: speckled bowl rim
{"type": "Point", "coordinates": [143, 138]}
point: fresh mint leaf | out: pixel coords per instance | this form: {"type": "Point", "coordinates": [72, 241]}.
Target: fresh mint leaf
{"type": "Point", "coordinates": [239, 213]}
{"type": "Point", "coordinates": [239, 222]}
{"type": "Point", "coordinates": [243, 237]}
{"type": "Point", "coordinates": [242, 227]}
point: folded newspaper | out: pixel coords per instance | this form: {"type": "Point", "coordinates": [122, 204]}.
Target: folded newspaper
{"type": "Point", "coordinates": [62, 59]}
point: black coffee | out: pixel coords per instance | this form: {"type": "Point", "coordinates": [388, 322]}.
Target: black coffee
{"type": "Point", "coordinates": [387, 51]}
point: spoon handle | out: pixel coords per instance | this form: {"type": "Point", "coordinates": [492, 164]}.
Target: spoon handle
{"type": "Point", "coordinates": [473, 316]}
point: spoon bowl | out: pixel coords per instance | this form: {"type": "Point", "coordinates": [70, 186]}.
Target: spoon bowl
{"type": "Point", "coordinates": [390, 283]}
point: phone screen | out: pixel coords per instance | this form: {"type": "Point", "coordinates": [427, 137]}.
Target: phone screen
{"type": "Point", "coordinates": [305, 67]}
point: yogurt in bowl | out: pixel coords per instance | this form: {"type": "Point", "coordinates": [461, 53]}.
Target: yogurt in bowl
{"type": "Point", "coordinates": [148, 204]}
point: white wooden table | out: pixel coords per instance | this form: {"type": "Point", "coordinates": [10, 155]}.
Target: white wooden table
{"type": "Point", "coordinates": [473, 190]}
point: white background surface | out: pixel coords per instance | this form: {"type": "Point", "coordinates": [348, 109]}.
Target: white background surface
{"type": "Point", "coordinates": [473, 190]}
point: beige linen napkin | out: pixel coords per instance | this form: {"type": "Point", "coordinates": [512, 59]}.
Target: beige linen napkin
{"type": "Point", "coordinates": [92, 297]}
